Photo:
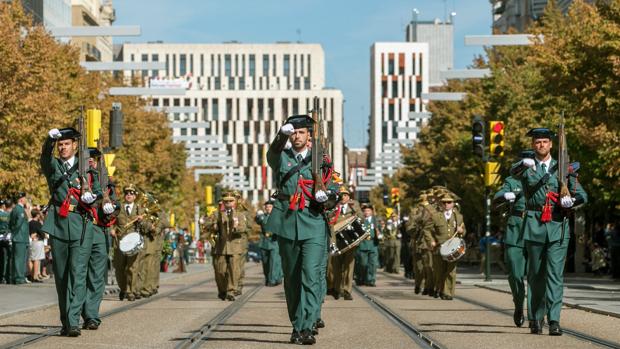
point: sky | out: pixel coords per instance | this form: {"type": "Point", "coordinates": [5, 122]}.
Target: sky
{"type": "Point", "coordinates": [345, 28]}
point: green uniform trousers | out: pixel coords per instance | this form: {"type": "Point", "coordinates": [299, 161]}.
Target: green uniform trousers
{"type": "Point", "coordinates": [126, 269]}
{"type": "Point", "coordinates": [302, 261]}
{"type": "Point", "coordinates": [227, 268]}
{"type": "Point", "coordinates": [445, 275]}
{"type": "Point", "coordinates": [342, 269]}
{"type": "Point", "coordinates": [392, 256]}
{"type": "Point", "coordinates": [70, 265]}
{"type": "Point", "coordinates": [322, 290]}
{"type": "Point", "coordinates": [366, 263]}
{"type": "Point", "coordinates": [545, 272]}
{"type": "Point", "coordinates": [96, 275]}
{"type": "Point", "coordinates": [272, 265]}
{"type": "Point", "coordinates": [5, 262]}
{"type": "Point", "coordinates": [514, 257]}
{"type": "Point", "coordinates": [18, 264]}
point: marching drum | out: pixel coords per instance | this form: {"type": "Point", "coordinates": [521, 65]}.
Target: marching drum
{"type": "Point", "coordinates": [349, 233]}
{"type": "Point", "coordinates": [131, 244]}
{"type": "Point", "coordinates": [452, 249]}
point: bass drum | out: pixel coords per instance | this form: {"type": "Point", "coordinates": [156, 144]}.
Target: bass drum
{"type": "Point", "coordinates": [131, 244]}
{"type": "Point", "coordinates": [349, 233]}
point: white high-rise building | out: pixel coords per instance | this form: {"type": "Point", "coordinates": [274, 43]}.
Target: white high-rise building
{"type": "Point", "coordinates": [399, 74]}
{"type": "Point", "coordinates": [440, 38]}
{"type": "Point", "coordinates": [237, 97]}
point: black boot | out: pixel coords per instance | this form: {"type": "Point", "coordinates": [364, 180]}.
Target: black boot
{"type": "Point", "coordinates": [554, 328]}
{"type": "Point", "coordinates": [518, 317]}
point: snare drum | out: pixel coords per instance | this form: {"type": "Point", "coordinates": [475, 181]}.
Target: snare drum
{"type": "Point", "coordinates": [452, 249]}
{"type": "Point", "coordinates": [349, 233]}
{"type": "Point", "coordinates": [131, 244]}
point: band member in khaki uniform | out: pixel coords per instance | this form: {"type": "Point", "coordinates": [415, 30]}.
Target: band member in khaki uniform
{"type": "Point", "coordinates": [231, 225]}
{"type": "Point", "coordinates": [341, 268]}
{"type": "Point", "coordinates": [148, 259]}
{"type": "Point", "coordinates": [152, 277]}
{"type": "Point", "coordinates": [391, 244]}
{"type": "Point", "coordinates": [130, 219]}
{"type": "Point", "coordinates": [443, 226]}
{"type": "Point", "coordinates": [422, 255]}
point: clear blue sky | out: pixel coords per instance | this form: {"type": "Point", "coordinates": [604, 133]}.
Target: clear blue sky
{"type": "Point", "coordinates": [345, 28]}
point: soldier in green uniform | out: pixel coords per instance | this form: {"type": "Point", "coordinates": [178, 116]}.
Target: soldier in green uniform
{"type": "Point", "coordinates": [341, 268]}
{"type": "Point", "coordinates": [420, 251]}
{"type": "Point", "coordinates": [443, 226]}
{"type": "Point", "coordinates": [69, 223]}
{"type": "Point", "coordinates": [391, 244]}
{"type": "Point", "coordinates": [546, 229]}
{"type": "Point", "coordinates": [268, 244]}
{"type": "Point", "coordinates": [511, 194]}
{"type": "Point", "coordinates": [98, 261]}
{"type": "Point", "coordinates": [18, 225]}
{"type": "Point", "coordinates": [298, 221]}
{"type": "Point", "coordinates": [131, 219]}
{"type": "Point", "coordinates": [367, 256]}
{"type": "Point", "coordinates": [5, 241]}
{"type": "Point", "coordinates": [231, 226]}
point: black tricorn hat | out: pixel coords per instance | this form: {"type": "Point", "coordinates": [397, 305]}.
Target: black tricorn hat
{"type": "Point", "coordinates": [367, 205]}
{"type": "Point", "coordinates": [269, 202]}
{"type": "Point", "coordinates": [69, 133]}
{"type": "Point", "coordinates": [94, 152]}
{"type": "Point", "coordinates": [301, 121]}
{"type": "Point", "coordinates": [527, 154]}
{"type": "Point", "coordinates": [540, 132]}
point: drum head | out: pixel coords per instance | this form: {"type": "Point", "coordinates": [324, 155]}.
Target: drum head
{"type": "Point", "coordinates": [129, 242]}
{"type": "Point", "coordinates": [338, 226]}
{"type": "Point", "coordinates": [449, 246]}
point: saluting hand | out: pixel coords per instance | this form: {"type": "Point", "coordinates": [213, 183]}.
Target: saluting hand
{"type": "Point", "coordinates": [287, 129]}
{"type": "Point", "coordinates": [510, 196]}
{"type": "Point", "coordinates": [54, 133]}
{"type": "Point", "coordinates": [527, 162]}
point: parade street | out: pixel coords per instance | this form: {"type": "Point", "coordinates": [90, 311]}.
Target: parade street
{"type": "Point", "coordinates": [187, 314]}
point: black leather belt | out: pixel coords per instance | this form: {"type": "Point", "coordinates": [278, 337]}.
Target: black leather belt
{"type": "Point", "coordinates": [517, 213]}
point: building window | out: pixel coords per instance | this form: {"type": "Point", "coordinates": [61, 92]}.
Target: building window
{"type": "Point", "coordinates": [285, 108]}
{"type": "Point", "coordinates": [265, 65]}
{"type": "Point", "coordinates": [394, 88]}
{"type": "Point", "coordinates": [242, 83]}
{"type": "Point", "coordinates": [167, 66]}
{"type": "Point", "coordinates": [295, 65]}
{"type": "Point", "coordinates": [174, 65]}
{"type": "Point", "coordinates": [191, 64]}
{"type": "Point", "coordinates": [384, 89]}
{"type": "Point", "coordinates": [391, 111]}
{"type": "Point", "coordinates": [306, 83]}
{"type": "Point", "coordinates": [155, 58]}
{"type": "Point", "coordinates": [231, 83]}
{"type": "Point", "coordinates": [155, 102]}
{"type": "Point", "coordinates": [252, 65]}
{"type": "Point", "coordinates": [202, 65]}
{"type": "Point", "coordinates": [236, 73]}
{"type": "Point", "coordinates": [401, 64]}
{"type": "Point", "coordinates": [182, 65]}
{"type": "Point", "coordinates": [183, 130]}
{"type": "Point", "coordinates": [194, 132]}
{"type": "Point", "coordinates": [225, 132]}
{"type": "Point", "coordinates": [229, 107]}
{"type": "Point", "coordinates": [212, 66]}
{"type": "Point", "coordinates": [166, 102]}
{"type": "Point", "coordinates": [296, 84]}
{"type": "Point", "coordinates": [250, 106]}
{"type": "Point", "coordinates": [246, 131]}
{"type": "Point", "coordinates": [295, 106]}
{"type": "Point", "coordinates": [309, 65]}
{"type": "Point", "coordinates": [217, 83]}
{"type": "Point", "coordinates": [242, 72]}
{"type": "Point", "coordinates": [274, 65]}
{"type": "Point", "coordinates": [215, 109]}
{"type": "Point", "coordinates": [418, 89]}
{"type": "Point", "coordinates": [391, 65]}
{"type": "Point", "coordinates": [227, 65]}
{"type": "Point", "coordinates": [205, 109]}
{"type": "Point", "coordinates": [287, 65]}
{"type": "Point", "coordinates": [270, 108]}
{"type": "Point", "coordinates": [144, 58]}
{"type": "Point", "coordinates": [302, 65]}
{"type": "Point", "coordinates": [176, 102]}
{"type": "Point", "coordinates": [261, 107]}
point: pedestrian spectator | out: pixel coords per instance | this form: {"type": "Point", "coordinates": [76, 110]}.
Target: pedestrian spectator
{"type": "Point", "coordinates": [599, 265]}
{"type": "Point", "coordinates": [180, 253]}
{"type": "Point", "coordinates": [37, 246]}
{"type": "Point", "coordinates": [612, 233]}
{"type": "Point", "coordinates": [598, 236]}
{"type": "Point", "coordinates": [495, 252]}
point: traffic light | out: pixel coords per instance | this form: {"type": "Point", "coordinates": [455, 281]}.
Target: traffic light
{"type": "Point", "coordinates": [209, 195]}
{"type": "Point", "coordinates": [497, 138]}
{"type": "Point", "coordinates": [477, 136]}
{"type": "Point", "coordinates": [491, 173]}
{"type": "Point", "coordinates": [116, 126]}
{"type": "Point", "coordinates": [109, 158]}
{"type": "Point", "coordinates": [93, 127]}
{"type": "Point", "coordinates": [385, 195]}
{"type": "Point", "coordinates": [395, 196]}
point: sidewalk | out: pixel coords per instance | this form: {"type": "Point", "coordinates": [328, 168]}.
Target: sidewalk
{"type": "Point", "coordinates": [596, 294]}
{"type": "Point", "coordinates": [35, 296]}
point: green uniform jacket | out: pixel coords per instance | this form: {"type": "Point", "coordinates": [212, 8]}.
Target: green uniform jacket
{"type": "Point", "coordinates": [371, 243]}
{"type": "Point", "coordinates": [268, 240]}
{"type": "Point", "coordinates": [4, 222]}
{"type": "Point", "coordinates": [231, 240]}
{"type": "Point", "coordinates": [70, 227]}
{"type": "Point", "coordinates": [515, 212]}
{"type": "Point", "coordinates": [18, 225]}
{"type": "Point", "coordinates": [439, 229]}
{"type": "Point", "coordinates": [534, 229]}
{"type": "Point", "coordinates": [292, 224]}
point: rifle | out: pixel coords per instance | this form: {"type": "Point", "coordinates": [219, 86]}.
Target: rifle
{"type": "Point", "coordinates": [103, 173]}
{"type": "Point", "coordinates": [563, 160]}
{"type": "Point", "coordinates": [83, 155]}
{"type": "Point", "coordinates": [318, 150]}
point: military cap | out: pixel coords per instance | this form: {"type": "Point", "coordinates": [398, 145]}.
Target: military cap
{"type": "Point", "coordinates": [540, 132]}
{"type": "Point", "coordinates": [94, 152]}
{"type": "Point", "coordinates": [367, 205]}
{"type": "Point", "coordinates": [527, 154]}
{"type": "Point", "coordinates": [447, 197]}
{"type": "Point", "coordinates": [69, 133]}
{"type": "Point", "coordinates": [229, 196]}
{"type": "Point", "coordinates": [1, 202]}
{"type": "Point", "coordinates": [130, 189]}
{"type": "Point", "coordinates": [344, 190]}
{"type": "Point", "coordinates": [269, 202]}
{"type": "Point", "coordinates": [301, 121]}
{"type": "Point", "coordinates": [20, 195]}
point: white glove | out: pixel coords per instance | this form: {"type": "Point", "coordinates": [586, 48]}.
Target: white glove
{"type": "Point", "coordinates": [288, 145]}
{"type": "Point", "coordinates": [567, 201]}
{"type": "Point", "coordinates": [510, 196]}
{"type": "Point", "coordinates": [287, 129]}
{"type": "Point", "coordinates": [529, 163]}
{"type": "Point", "coordinates": [399, 235]}
{"type": "Point", "coordinates": [108, 208]}
{"type": "Point", "coordinates": [260, 212]}
{"type": "Point", "coordinates": [380, 236]}
{"type": "Point", "coordinates": [320, 196]}
{"type": "Point", "coordinates": [54, 133]}
{"type": "Point", "coordinates": [88, 198]}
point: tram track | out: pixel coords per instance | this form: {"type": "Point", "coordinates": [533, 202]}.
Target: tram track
{"type": "Point", "coordinates": [421, 339]}
{"type": "Point", "coordinates": [197, 338]}
{"type": "Point", "coordinates": [573, 333]}
{"type": "Point", "coordinates": [20, 343]}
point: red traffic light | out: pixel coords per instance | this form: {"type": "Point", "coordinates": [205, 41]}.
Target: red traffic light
{"type": "Point", "coordinates": [395, 191]}
{"type": "Point", "coordinates": [498, 127]}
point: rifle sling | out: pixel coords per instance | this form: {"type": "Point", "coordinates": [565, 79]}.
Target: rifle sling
{"type": "Point", "coordinates": [293, 170]}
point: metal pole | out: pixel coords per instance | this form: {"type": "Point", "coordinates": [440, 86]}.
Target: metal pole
{"type": "Point", "coordinates": [487, 251]}
{"type": "Point", "coordinates": [196, 222]}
